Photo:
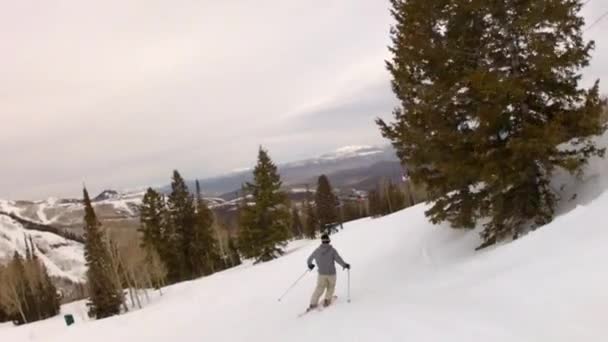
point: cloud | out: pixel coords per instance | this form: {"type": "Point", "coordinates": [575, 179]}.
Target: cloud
{"type": "Point", "coordinates": [119, 93]}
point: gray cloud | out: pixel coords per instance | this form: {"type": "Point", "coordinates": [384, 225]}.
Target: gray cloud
{"type": "Point", "coordinates": [118, 93]}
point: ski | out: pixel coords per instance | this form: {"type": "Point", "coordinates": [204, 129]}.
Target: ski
{"type": "Point", "coordinates": [320, 307]}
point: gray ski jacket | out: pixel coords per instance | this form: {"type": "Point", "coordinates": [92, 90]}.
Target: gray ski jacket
{"type": "Point", "coordinates": [325, 256]}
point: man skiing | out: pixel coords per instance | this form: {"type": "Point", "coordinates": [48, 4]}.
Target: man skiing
{"type": "Point", "coordinates": [325, 256]}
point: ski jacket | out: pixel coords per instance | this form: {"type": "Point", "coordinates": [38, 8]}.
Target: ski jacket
{"type": "Point", "coordinates": [325, 257]}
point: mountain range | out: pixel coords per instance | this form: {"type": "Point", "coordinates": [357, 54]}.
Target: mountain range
{"type": "Point", "coordinates": [55, 224]}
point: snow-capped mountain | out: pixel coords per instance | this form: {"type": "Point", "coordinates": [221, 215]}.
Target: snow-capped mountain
{"type": "Point", "coordinates": [68, 213]}
{"type": "Point", "coordinates": [352, 152]}
{"type": "Point", "coordinates": [63, 257]}
{"type": "Point", "coordinates": [302, 172]}
{"type": "Point", "coordinates": [345, 154]}
{"type": "Point", "coordinates": [348, 167]}
{"type": "Point", "coordinates": [107, 195]}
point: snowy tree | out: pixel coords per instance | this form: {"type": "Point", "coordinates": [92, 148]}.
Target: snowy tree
{"type": "Point", "coordinates": [490, 106]}
{"type": "Point", "coordinates": [205, 251]}
{"type": "Point", "coordinates": [182, 215]}
{"type": "Point", "coordinates": [265, 222]}
{"type": "Point", "coordinates": [152, 227]}
{"type": "Point", "coordinates": [105, 296]}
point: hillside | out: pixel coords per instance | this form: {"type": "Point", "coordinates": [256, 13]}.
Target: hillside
{"type": "Point", "coordinates": [68, 213]}
{"type": "Point", "coordinates": [410, 281]}
{"type": "Point", "coordinates": [64, 258]}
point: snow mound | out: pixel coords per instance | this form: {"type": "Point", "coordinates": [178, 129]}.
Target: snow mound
{"type": "Point", "coordinates": [411, 281]}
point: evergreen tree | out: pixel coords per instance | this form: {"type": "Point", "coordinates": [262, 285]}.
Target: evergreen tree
{"type": "Point", "coordinates": [183, 219]}
{"type": "Point", "coordinates": [105, 298]}
{"type": "Point", "coordinates": [152, 211]}
{"type": "Point", "coordinates": [171, 254]}
{"type": "Point", "coordinates": [327, 202]}
{"type": "Point", "coordinates": [490, 106]}
{"type": "Point", "coordinates": [311, 225]}
{"type": "Point", "coordinates": [157, 237]}
{"type": "Point", "coordinates": [205, 253]}
{"type": "Point", "coordinates": [245, 236]}
{"type": "Point", "coordinates": [297, 228]}
{"type": "Point", "coordinates": [265, 222]}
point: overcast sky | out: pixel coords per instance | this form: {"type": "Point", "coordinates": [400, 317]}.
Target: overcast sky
{"type": "Point", "coordinates": [119, 93]}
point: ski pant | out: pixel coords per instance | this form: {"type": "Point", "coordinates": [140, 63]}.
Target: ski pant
{"type": "Point", "coordinates": [325, 283]}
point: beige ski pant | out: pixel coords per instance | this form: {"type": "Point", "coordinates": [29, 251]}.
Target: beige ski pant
{"type": "Point", "coordinates": [325, 283]}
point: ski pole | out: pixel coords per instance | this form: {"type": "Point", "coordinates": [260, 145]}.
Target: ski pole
{"type": "Point", "coordinates": [348, 290]}
{"type": "Point", "coordinates": [294, 284]}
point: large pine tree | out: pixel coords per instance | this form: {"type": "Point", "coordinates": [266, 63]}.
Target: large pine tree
{"type": "Point", "coordinates": [105, 298]}
{"type": "Point", "coordinates": [152, 211]}
{"type": "Point", "coordinates": [265, 222]}
{"type": "Point", "coordinates": [327, 204]}
{"type": "Point", "coordinates": [182, 216]}
{"type": "Point", "coordinates": [491, 106]}
{"type": "Point", "coordinates": [205, 251]}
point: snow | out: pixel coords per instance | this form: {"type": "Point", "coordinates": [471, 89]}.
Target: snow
{"type": "Point", "coordinates": [9, 207]}
{"type": "Point", "coordinates": [352, 149]}
{"type": "Point", "coordinates": [68, 212]}
{"type": "Point", "coordinates": [124, 206]}
{"type": "Point", "coordinates": [410, 281]}
{"type": "Point", "coordinates": [583, 190]}
{"type": "Point", "coordinates": [41, 214]}
{"type": "Point", "coordinates": [351, 152]}
{"type": "Point", "coordinates": [63, 258]}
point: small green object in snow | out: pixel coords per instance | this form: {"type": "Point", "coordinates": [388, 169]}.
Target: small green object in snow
{"type": "Point", "coordinates": [69, 319]}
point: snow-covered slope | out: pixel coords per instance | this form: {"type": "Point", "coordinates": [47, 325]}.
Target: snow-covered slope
{"type": "Point", "coordinates": [64, 258]}
{"type": "Point", "coordinates": [411, 281]}
{"type": "Point", "coordinates": [68, 213]}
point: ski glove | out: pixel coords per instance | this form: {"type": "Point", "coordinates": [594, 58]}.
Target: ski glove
{"type": "Point", "coordinates": [311, 267]}
{"type": "Point", "coordinates": [347, 267]}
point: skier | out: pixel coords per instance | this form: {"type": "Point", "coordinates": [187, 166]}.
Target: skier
{"type": "Point", "coordinates": [325, 256]}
